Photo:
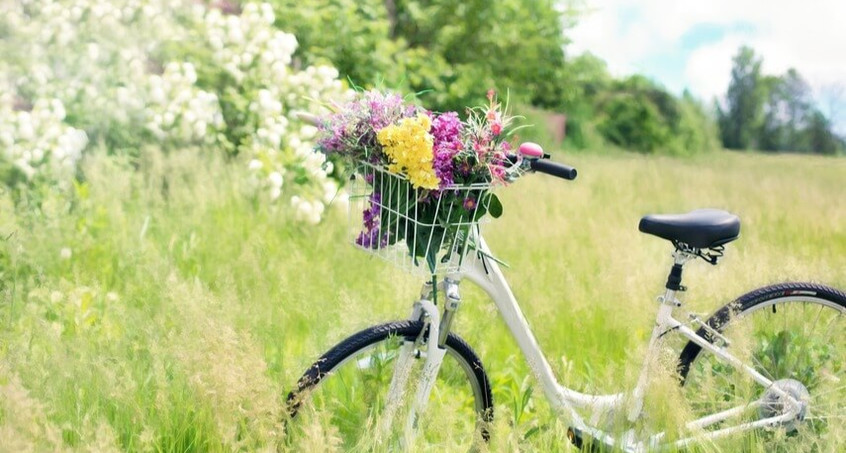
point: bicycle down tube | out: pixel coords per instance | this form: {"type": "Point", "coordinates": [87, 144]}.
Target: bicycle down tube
{"type": "Point", "coordinates": [485, 273]}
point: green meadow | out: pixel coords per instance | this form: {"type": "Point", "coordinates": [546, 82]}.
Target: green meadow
{"type": "Point", "coordinates": [158, 306]}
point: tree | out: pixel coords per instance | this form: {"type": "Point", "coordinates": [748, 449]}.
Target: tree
{"type": "Point", "coordinates": [741, 120]}
{"type": "Point", "coordinates": [819, 137]}
{"type": "Point", "coordinates": [583, 79]}
{"type": "Point", "coordinates": [787, 111]}
{"type": "Point", "coordinates": [641, 115]}
{"type": "Point", "coordinates": [773, 135]}
{"type": "Point", "coordinates": [773, 113]}
{"type": "Point", "coordinates": [453, 51]}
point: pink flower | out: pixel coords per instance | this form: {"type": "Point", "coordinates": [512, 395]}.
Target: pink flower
{"type": "Point", "coordinates": [496, 128]}
{"type": "Point", "coordinates": [498, 172]}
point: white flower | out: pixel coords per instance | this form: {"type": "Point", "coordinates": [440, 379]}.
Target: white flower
{"type": "Point", "coordinates": [65, 253]}
{"type": "Point", "coordinates": [167, 119]}
{"type": "Point", "coordinates": [200, 128]}
{"type": "Point", "coordinates": [275, 193]}
{"type": "Point", "coordinates": [330, 191]}
{"type": "Point", "coordinates": [267, 13]}
{"type": "Point", "coordinates": [6, 138]}
{"type": "Point", "coordinates": [275, 179]}
{"type": "Point", "coordinates": [58, 109]}
{"type": "Point", "coordinates": [24, 166]}
{"type": "Point", "coordinates": [190, 73]}
{"type": "Point", "coordinates": [255, 164]}
{"type": "Point", "coordinates": [307, 211]}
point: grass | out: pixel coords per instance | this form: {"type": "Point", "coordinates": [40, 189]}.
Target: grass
{"type": "Point", "coordinates": [187, 308]}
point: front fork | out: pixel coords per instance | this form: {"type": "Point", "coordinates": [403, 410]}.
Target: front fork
{"type": "Point", "coordinates": [434, 340]}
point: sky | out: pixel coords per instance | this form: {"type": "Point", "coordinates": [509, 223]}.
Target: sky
{"type": "Point", "coordinates": [690, 44]}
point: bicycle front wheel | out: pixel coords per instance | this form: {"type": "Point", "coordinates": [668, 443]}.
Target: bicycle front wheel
{"type": "Point", "coordinates": [792, 333]}
{"type": "Point", "coordinates": [346, 392]}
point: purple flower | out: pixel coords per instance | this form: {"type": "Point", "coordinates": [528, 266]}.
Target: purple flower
{"type": "Point", "coordinates": [469, 203]}
{"type": "Point", "coordinates": [465, 168]}
{"type": "Point", "coordinates": [446, 130]}
{"type": "Point", "coordinates": [351, 130]}
{"type": "Point", "coordinates": [371, 240]}
{"type": "Point", "coordinates": [370, 216]}
{"type": "Point", "coordinates": [370, 237]}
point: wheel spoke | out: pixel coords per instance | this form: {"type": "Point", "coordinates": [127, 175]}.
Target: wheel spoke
{"type": "Point", "coordinates": [801, 352]}
{"type": "Point", "coordinates": [352, 397]}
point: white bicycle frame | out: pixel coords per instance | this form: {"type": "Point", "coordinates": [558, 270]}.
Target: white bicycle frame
{"type": "Point", "coordinates": [485, 272]}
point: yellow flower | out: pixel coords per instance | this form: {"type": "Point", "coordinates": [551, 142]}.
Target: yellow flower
{"type": "Point", "coordinates": [409, 147]}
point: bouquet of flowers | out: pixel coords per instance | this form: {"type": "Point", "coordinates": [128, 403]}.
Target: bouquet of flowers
{"type": "Point", "coordinates": [428, 176]}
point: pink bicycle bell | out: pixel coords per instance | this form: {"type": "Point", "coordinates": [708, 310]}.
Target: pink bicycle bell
{"type": "Point", "coordinates": [530, 149]}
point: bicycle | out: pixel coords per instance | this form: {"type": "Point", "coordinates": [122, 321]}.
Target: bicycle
{"type": "Point", "coordinates": [740, 370]}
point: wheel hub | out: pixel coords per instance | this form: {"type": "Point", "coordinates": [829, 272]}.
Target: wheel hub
{"type": "Point", "coordinates": [773, 404]}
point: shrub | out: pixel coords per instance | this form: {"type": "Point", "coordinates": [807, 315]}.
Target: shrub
{"type": "Point", "coordinates": [82, 74]}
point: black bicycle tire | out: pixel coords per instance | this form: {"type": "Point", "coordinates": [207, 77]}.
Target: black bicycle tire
{"type": "Point", "coordinates": [322, 368]}
{"type": "Point", "coordinates": [747, 302]}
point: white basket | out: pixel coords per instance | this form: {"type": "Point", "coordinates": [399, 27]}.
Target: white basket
{"type": "Point", "coordinates": [387, 215]}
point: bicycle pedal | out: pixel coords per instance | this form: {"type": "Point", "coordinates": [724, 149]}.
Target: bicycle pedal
{"type": "Point", "coordinates": [575, 437]}
{"type": "Point", "coordinates": [581, 441]}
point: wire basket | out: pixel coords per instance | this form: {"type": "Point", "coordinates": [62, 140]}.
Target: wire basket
{"type": "Point", "coordinates": [420, 231]}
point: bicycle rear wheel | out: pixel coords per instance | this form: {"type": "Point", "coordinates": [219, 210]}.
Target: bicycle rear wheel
{"type": "Point", "coordinates": [345, 392]}
{"type": "Point", "coordinates": [792, 333]}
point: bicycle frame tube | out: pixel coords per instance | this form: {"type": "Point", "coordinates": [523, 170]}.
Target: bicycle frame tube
{"type": "Point", "coordinates": [486, 273]}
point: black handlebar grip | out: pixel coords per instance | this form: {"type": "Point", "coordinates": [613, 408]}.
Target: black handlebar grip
{"type": "Point", "coordinates": [554, 168]}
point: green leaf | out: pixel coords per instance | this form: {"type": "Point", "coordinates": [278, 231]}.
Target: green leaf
{"type": "Point", "coordinates": [430, 259]}
{"type": "Point", "coordinates": [494, 206]}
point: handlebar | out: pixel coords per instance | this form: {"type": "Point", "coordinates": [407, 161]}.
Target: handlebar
{"type": "Point", "coordinates": [554, 169]}
{"type": "Point", "coordinates": [538, 161]}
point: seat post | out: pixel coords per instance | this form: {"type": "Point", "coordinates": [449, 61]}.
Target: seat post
{"type": "Point", "coordinates": [681, 256]}
{"type": "Point", "coordinates": [664, 322]}
{"type": "Point", "coordinates": [674, 279]}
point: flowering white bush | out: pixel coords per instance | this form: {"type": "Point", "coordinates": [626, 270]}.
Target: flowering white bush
{"type": "Point", "coordinates": [92, 55]}
{"type": "Point", "coordinates": [178, 110]}
{"type": "Point", "coordinates": [170, 73]}
{"type": "Point", "coordinates": [37, 141]}
{"type": "Point", "coordinates": [279, 148]}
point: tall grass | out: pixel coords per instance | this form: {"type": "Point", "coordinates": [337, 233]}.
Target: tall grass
{"type": "Point", "coordinates": [157, 307]}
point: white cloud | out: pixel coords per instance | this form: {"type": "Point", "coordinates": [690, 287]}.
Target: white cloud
{"type": "Point", "coordinates": [708, 68]}
{"type": "Point", "coordinates": [808, 36]}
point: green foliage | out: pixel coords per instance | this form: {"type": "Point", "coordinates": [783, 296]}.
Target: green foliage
{"type": "Point", "coordinates": [819, 135]}
{"type": "Point", "coordinates": [584, 79]}
{"type": "Point", "coordinates": [640, 115]}
{"type": "Point", "coordinates": [630, 120]}
{"type": "Point", "coordinates": [773, 113]}
{"type": "Point", "coordinates": [740, 120]}
{"type": "Point", "coordinates": [351, 35]}
{"type": "Point", "coordinates": [453, 51]}
{"type": "Point", "coordinates": [697, 130]}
